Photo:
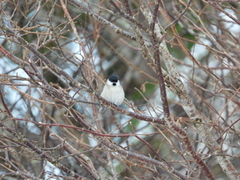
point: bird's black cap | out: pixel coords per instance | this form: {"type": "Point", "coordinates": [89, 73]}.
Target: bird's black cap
{"type": "Point", "coordinates": [113, 79]}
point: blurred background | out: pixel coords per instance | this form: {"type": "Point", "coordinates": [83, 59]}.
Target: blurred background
{"type": "Point", "coordinates": [55, 57]}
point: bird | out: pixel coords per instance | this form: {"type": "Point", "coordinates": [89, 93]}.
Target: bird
{"type": "Point", "coordinates": [113, 91]}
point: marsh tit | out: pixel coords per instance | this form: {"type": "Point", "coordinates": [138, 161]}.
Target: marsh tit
{"type": "Point", "coordinates": [113, 91]}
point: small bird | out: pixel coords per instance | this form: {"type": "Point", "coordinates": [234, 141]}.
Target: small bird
{"type": "Point", "coordinates": [113, 91]}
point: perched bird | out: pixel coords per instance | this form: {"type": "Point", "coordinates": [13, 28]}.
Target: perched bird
{"type": "Point", "coordinates": [113, 91]}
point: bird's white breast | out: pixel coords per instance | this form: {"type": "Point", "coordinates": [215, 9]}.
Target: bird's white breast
{"type": "Point", "coordinates": [114, 94]}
